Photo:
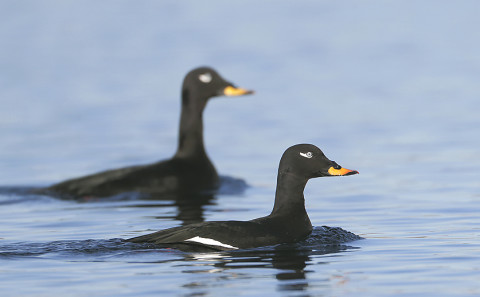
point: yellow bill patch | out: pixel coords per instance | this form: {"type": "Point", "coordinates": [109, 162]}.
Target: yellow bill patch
{"type": "Point", "coordinates": [341, 171]}
{"type": "Point", "coordinates": [232, 91]}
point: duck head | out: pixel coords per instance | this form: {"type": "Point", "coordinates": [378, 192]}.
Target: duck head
{"type": "Point", "coordinates": [308, 161]}
{"type": "Point", "coordinates": [206, 83]}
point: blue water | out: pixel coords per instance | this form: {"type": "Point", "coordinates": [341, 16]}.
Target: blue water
{"type": "Point", "coordinates": [388, 88]}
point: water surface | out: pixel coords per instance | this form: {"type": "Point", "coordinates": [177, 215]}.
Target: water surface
{"type": "Point", "coordinates": [386, 88]}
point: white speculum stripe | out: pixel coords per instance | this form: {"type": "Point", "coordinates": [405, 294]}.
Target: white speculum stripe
{"type": "Point", "coordinates": [209, 241]}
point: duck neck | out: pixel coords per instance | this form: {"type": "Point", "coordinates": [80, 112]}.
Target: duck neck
{"type": "Point", "coordinates": [289, 197]}
{"type": "Point", "coordinates": [190, 138]}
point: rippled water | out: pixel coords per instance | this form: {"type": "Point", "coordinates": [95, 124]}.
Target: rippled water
{"type": "Point", "coordinates": [389, 88]}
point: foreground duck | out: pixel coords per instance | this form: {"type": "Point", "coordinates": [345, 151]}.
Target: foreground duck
{"type": "Point", "coordinates": [188, 171]}
{"type": "Point", "coordinates": [287, 223]}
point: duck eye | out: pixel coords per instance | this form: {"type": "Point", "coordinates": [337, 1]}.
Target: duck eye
{"type": "Point", "coordinates": [307, 155]}
{"type": "Point", "coordinates": [205, 77]}
{"type": "Point", "coordinates": [335, 165]}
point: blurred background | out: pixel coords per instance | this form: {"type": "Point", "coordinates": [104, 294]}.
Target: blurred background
{"type": "Point", "coordinates": [91, 85]}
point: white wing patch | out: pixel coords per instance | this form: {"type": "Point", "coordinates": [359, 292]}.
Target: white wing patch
{"type": "Point", "coordinates": [210, 241]}
{"type": "Point", "coordinates": [307, 155]}
{"type": "Point", "coordinates": [206, 77]}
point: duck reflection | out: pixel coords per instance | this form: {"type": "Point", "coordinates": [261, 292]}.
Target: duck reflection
{"type": "Point", "coordinates": [190, 207]}
{"type": "Point", "coordinates": [290, 261]}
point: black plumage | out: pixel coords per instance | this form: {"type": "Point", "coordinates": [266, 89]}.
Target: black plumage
{"type": "Point", "coordinates": [287, 223]}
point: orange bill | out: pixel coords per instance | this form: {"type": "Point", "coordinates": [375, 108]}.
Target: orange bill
{"type": "Point", "coordinates": [341, 171]}
{"type": "Point", "coordinates": [232, 91]}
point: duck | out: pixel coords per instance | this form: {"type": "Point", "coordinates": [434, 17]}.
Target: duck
{"type": "Point", "coordinates": [189, 171]}
{"type": "Point", "coordinates": [287, 223]}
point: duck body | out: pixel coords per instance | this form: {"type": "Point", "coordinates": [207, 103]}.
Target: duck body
{"type": "Point", "coordinates": [188, 171]}
{"type": "Point", "coordinates": [176, 175]}
{"type": "Point", "coordinates": [229, 235]}
{"type": "Point", "coordinates": [287, 223]}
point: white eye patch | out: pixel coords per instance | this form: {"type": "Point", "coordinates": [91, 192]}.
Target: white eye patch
{"type": "Point", "coordinates": [307, 155]}
{"type": "Point", "coordinates": [205, 77]}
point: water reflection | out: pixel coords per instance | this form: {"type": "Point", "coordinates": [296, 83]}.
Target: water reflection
{"type": "Point", "coordinates": [290, 264]}
{"type": "Point", "coordinates": [189, 207]}
{"type": "Point", "coordinates": [287, 265]}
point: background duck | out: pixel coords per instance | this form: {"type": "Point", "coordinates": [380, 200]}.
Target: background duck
{"type": "Point", "coordinates": [189, 171]}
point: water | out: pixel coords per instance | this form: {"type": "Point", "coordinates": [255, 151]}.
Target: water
{"type": "Point", "coordinates": [386, 88]}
